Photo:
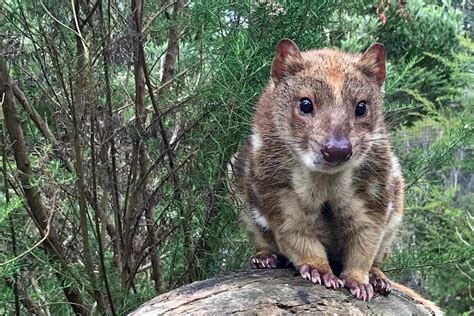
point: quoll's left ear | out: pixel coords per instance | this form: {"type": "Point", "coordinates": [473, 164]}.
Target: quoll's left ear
{"type": "Point", "coordinates": [372, 62]}
{"type": "Point", "coordinates": [286, 61]}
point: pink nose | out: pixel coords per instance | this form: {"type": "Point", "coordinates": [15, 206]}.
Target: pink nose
{"type": "Point", "coordinates": [337, 149]}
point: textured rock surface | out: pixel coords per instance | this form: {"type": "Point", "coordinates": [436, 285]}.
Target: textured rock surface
{"type": "Point", "coordinates": [269, 292]}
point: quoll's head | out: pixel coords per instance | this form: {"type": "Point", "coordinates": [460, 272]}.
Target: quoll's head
{"type": "Point", "coordinates": [328, 104]}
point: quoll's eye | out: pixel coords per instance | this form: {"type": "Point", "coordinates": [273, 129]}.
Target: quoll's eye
{"type": "Point", "coordinates": [361, 109]}
{"type": "Point", "coordinates": [306, 106]}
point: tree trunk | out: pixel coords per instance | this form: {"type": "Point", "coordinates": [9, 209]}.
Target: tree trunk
{"type": "Point", "coordinates": [37, 210]}
{"type": "Point", "coordinates": [271, 292]}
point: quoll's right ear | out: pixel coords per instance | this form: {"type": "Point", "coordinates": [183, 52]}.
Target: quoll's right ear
{"type": "Point", "coordinates": [287, 59]}
{"type": "Point", "coordinates": [373, 62]}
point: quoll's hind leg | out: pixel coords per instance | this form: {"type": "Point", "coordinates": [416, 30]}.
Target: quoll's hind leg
{"type": "Point", "coordinates": [377, 278]}
{"type": "Point", "coordinates": [267, 254]}
{"type": "Point", "coordinates": [379, 281]}
{"type": "Point", "coordinates": [361, 290]}
{"type": "Point", "coordinates": [264, 260]}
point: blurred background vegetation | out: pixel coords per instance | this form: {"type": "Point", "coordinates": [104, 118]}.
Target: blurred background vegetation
{"type": "Point", "coordinates": [112, 184]}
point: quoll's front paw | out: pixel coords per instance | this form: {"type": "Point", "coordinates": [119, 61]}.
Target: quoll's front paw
{"type": "Point", "coordinates": [361, 291]}
{"type": "Point", "coordinates": [320, 276]}
{"type": "Point", "coordinates": [379, 281]}
{"type": "Point", "coordinates": [264, 261]}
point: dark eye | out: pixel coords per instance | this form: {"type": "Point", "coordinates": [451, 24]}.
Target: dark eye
{"type": "Point", "coordinates": [361, 109]}
{"type": "Point", "coordinates": [306, 106]}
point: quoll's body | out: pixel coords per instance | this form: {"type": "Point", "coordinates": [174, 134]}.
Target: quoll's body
{"type": "Point", "coordinates": [317, 177]}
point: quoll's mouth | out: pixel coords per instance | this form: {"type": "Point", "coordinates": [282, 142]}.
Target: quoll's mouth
{"type": "Point", "coordinates": [328, 164]}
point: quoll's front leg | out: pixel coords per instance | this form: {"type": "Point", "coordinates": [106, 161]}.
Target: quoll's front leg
{"type": "Point", "coordinates": [361, 246]}
{"type": "Point", "coordinates": [296, 240]}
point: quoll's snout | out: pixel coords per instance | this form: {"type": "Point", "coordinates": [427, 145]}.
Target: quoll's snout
{"type": "Point", "coordinates": [337, 149]}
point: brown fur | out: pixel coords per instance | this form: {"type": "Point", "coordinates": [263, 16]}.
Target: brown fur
{"type": "Point", "coordinates": [295, 205]}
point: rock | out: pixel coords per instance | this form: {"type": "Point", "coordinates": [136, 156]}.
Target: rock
{"type": "Point", "coordinates": [270, 292]}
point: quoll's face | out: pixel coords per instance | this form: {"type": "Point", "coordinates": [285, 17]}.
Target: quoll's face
{"type": "Point", "coordinates": [331, 111]}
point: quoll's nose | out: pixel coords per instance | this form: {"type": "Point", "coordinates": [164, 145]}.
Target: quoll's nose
{"type": "Point", "coordinates": [337, 149]}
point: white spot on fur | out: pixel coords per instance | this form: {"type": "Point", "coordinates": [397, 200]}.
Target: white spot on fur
{"type": "Point", "coordinates": [257, 141]}
{"type": "Point", "coordinates": [396, 170]}
{"type": "Point", "coordinates": [230, 167]}
{"type": "Point", "coordinates": [395, 220]}
{"type": "Point", "coordinates": [378, 136]}
{"type": "Point", "coordinates": [374, 189]}
{"type": "Point", "coordinates": [308, 160]}
{"type": "Point", "coordinates": [259, 218]}
{"type": "Point", "coordinates": [389, 209]}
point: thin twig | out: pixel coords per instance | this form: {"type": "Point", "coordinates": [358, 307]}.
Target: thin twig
{"type": "Point", "coordinates": [46, 235]}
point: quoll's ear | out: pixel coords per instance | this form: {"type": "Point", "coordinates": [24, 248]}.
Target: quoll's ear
{"type": "Point", "coordinates": [286, 60]}
{"type": "Point", "coordinates": [373, 62]}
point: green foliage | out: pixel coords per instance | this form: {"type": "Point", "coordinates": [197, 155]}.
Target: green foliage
{"type": "Point", "coordinates": [436, 153]}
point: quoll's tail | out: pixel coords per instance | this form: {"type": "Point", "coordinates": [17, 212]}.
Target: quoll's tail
{"type": "Point", "coordinates": [417, 297]}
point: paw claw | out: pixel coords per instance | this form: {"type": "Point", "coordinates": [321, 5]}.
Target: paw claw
{"type": "Point", "coordinates": [355, 292]}
{"type": "Point", "coordinates": [380, 282]}
{"type": "Point", "coordinates": [323, 278]}
{"type": "Point", "coordinates": [264, 261]}
{"type": "Point", "coordinates": [359, 290]}
{"type": "Point", "coordinates": [331, 281]}
{"type": "Point", "coordinates": [370, 292]}
{"type": "Point", "coordinates": [316, 280]}
{"type": "Point", "coordinates": [331, 284]}
{"type": "Point", "coordinates": [315, 277]}
{"type": "Point", "coordinates": [363, 296]}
